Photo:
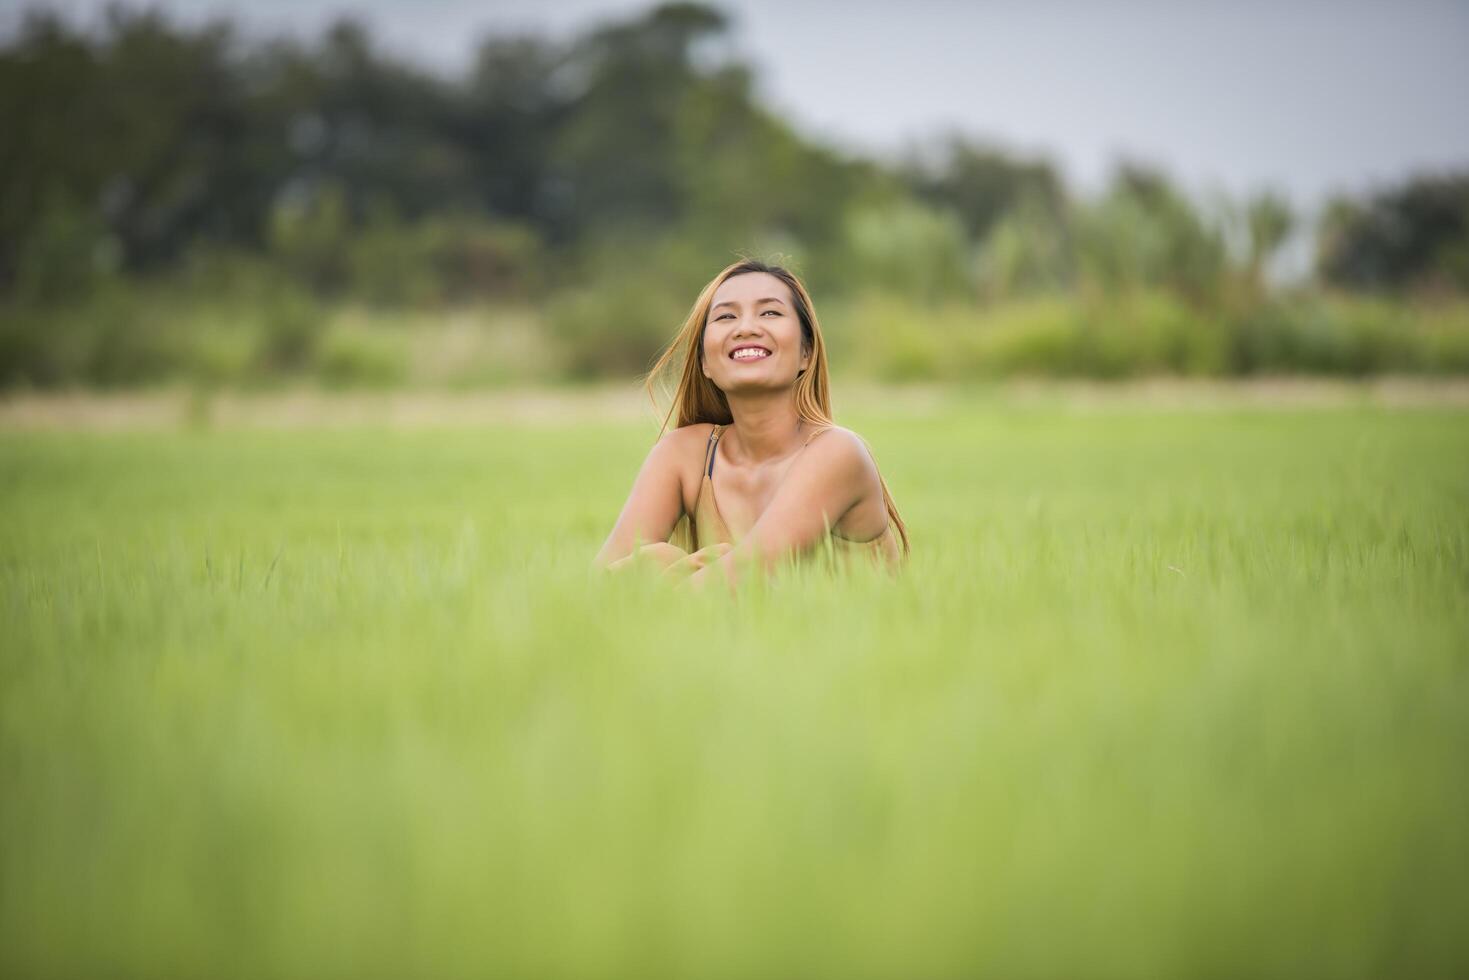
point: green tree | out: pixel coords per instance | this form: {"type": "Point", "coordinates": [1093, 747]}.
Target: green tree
{"type": "Point", "coordinates": [1414, 235]}
{"type": "Point", "coordinates": [982, 183]}
{"type": "Point", "coordinates": [1269, 220]}
{"type": "Point", "coordinates": [1144, 232]}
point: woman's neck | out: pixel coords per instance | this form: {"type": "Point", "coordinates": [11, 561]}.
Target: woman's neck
{"type": "Point", "coordinates": [765, 428]}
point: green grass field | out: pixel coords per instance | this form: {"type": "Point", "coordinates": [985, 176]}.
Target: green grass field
{"type": "Point", "coordinates": [1162, 694]}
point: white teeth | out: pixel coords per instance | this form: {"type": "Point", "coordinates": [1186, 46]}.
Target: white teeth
{"type": "Point", "coordinates": [749, 354]}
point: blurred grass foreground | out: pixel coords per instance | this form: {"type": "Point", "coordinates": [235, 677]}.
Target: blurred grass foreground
{"type": "Point", "coordinates": [1165, 692]}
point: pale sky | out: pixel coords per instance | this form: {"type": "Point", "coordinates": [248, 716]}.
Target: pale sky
{"type": "Point", "coordinates": [1304, 97]}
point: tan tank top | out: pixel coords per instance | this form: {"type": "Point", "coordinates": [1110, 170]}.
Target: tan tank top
{"type": "Point", "coordinates": [706, 526]}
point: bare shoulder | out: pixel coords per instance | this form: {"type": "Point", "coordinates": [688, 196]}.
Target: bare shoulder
{"type": "Point", "coordinates": [675, 441]}
{"type": "Point", "coordinates": [839, 446]}
{"type": "Point", "coordinates": [681, 451]}
{"type": "Point", "coordinates": [847, 462]}
{"type": "Point", "coordinates": [685, 444]}
{"type": "Point", "coordinates": [840, 436]}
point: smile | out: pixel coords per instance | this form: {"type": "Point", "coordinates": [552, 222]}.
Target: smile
{"type": "Point", "coordinates": [750, 353]}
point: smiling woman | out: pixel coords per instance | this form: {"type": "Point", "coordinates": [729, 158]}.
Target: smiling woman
{"type": "Point", "coordinates": [755, 471]}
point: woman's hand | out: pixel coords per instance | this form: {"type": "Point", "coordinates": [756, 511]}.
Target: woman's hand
{"type": "Point", "coordinates": [659, 554]}
{"type": "Point", "coordinates": [687, 569]}
{"type": "Point", "coordinates": [693, 573]}
{"type": "Point", "coordinates": [687, 572]}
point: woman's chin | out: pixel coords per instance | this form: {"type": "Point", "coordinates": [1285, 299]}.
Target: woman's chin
{"type": "Point", "coordinates": [738, 386]}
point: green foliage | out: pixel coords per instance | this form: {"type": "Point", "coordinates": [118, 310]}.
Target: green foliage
{"type": "Point", "coordinates": [67, 256]}
{"type": "Point", "coordinates": [983, 184]}
{"type": "Point", "coordinates": [1027, 252]}
{"type": "Point", "coordinates": [158, 175]}
{"type": "Point", "coordinates": [106, 339]}
{"type": "Point", "coordinates": [385, 261]}
{"type": "Point", "coordinates": [914, 251]}
{"type": "Point", "coordinates": [1139, 334]}
{"type": "Point", "coordinates": [1146, 333]}
{"type": "Point", "coordinates": [1270, 220]}
{"type": "Point", "coordinates": [617, 148]}
{"type": "Point", "coordinates": [615, 326]}
{"type": "Point", "coordinates": [1144, 233]}
{"type": "Point", "coordinates": [1411, 237]}
{"type": "Point", "coordinates": [292, 329]}
{"type": "Point", "coordinates": [1350, 335]}
{"type": "Point", "coordinates": [262, 328]}
{"type": "Point", "coordinates": [1163, 693]}
{"type": "Point", "coordinates": [442, 260]}
{"type": "Point", "coordinates": [239, 323]}
{"type": "Point", "coordinates": [362, 359]}
{"type": "Point", "coordinates": [310, 237]}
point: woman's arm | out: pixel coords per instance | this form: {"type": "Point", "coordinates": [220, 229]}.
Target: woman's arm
{"type": "Point", "coordinates": [653, 506]}
{"type": "Point", "coordinates": [832, 474]}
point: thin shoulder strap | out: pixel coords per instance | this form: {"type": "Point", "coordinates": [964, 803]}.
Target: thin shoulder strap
{"type": "Point", "coordinates": [709, 449]}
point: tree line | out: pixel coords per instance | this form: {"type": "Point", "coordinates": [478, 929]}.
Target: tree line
{"type": "Point", "coordinates": [601, 178]}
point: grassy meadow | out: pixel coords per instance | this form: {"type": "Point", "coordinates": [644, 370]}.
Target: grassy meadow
{"type": "Point", "coordinates": [1165, 691]}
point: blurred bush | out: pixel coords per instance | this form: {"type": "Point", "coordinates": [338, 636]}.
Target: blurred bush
{"type": "Point", "coordinates": [909, 249]}
{"type": "Point", "coordinates": [614, 326]}
{"type": "Point", "coordinates": [1146, 332]}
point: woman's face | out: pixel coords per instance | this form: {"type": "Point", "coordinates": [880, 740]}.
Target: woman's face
{"type": "Point", "coordinates": [754, 309]}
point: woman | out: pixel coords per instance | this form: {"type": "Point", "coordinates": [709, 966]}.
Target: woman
{"type": "Point", "coordinates": [755, 471]}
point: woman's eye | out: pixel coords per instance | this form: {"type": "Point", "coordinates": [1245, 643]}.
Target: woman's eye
{"type": "Point", "coordinates": [723, 315]}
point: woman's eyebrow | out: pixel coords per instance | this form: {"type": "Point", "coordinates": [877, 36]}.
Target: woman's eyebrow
{"type": "Point", "coordinates": [730, 302]}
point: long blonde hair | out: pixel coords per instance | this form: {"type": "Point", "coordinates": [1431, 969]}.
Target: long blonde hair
{"type": "Point", "coordinates": [697, 399]}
